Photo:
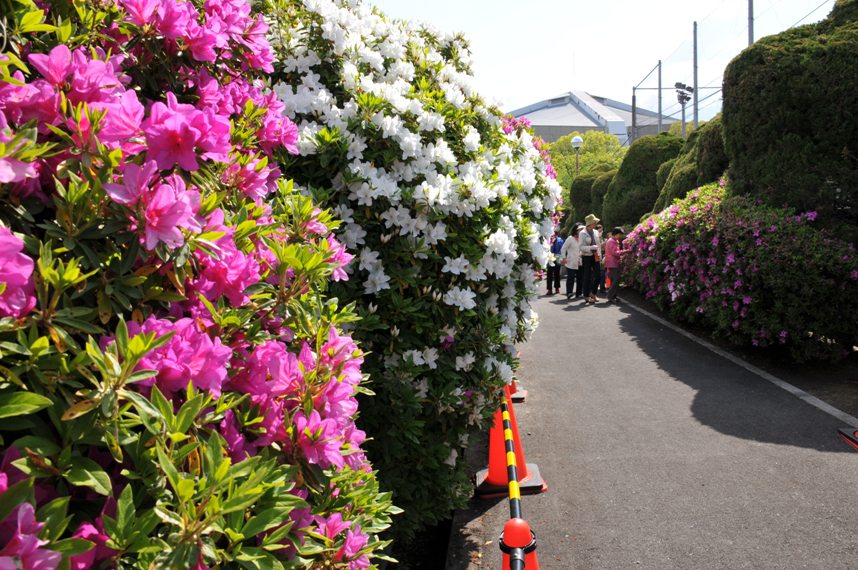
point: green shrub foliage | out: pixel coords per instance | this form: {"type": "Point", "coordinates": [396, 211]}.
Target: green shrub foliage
{"type": "Point", "coordinates": [634, 190]}
{"type": "Point", "coordinates": [702, 160]}
{"type": "Point", "coordinates": [448, 209]}
{"type": "Point", "coordinates": [598, 191]}
{"type": "Point", "coordinates": [789, 119]}
{"type": "Point", "coordinates": [752, 273]}
{"type": "Point", "coordinates": [580, 196]}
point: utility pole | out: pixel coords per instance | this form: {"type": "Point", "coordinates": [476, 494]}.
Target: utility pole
{"type": "Point", "coordinates": [659, 95]}
{"type": "Point", "coordinates": [695, 78]}
{"type": "Point", "coordinates": [750, 22]}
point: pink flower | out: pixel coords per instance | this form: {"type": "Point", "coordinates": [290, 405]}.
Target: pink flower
{"type": "Point", "coordinates": [123, 119]}
{"type": "Point", "coordinates": [170, 208]}
{"type": "Point", "coordinates": [14, 170]}
{"type": "Point", "coordinates": [176, 131]}
{"type": "Point", "coordinates": [174, 18]}
{"type": "Point", "coordinates": [24, 549]}
{"type": "Point", "coordinates": [253, 179]}
{"type": "Point", "coordinates": [190, 355]}
{"type": "Point", "coordinates": [93, 80]}
{"type": "Point", "coordinates": [236, 442]}
{"type": "Point", "coordinates": [340, 257]}
{"type": "Point", "coordinates": [16, 273]}
{"type": "Point", "coordinates": [318, 439]}
{"type": "Point", "coordinates": [94, 556]}
{"type": "Point", "coordinates": [135, 183]}
{"type": "Point", "coordinates": [271, 371]}
{"type": "Point", "coordinates": [140, 12]}
{"type": "Point", "coordinates": [229, 274]}
{"type": "Point", "coordinates": [55, 66]}
{"type": "Point", "coordinates": [170, 136]}
{"type": "Point", "coordinates": [332, 526]}
{"type": "Point", "coordinates": [350, 551]}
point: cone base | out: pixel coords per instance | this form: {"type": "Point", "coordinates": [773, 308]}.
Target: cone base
{"type": "Point", "coordinates": [519, 397]}
{"type": "Point", "coordinates": [533, 485]}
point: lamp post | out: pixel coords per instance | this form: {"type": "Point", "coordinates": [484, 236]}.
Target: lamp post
{"type": "Point", "coordinates": [577, 143]}
{"type": "Point", "coordinates": [683, 96]}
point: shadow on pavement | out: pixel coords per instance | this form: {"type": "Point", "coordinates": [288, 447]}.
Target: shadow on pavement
{"type": "Point", "coordinates": [730, 399]}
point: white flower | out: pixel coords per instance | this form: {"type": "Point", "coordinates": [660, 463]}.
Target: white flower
{"type": "Point", "coordinates": [465, 362]}
{"type": "Point", "coordinates": [430, 357]}
{"type": "Point", "coordinates": [415, 356]}
{"type": "Point", "coordinates": [455, 266]}
{"type": "Point", "coordinates": [353, 236]}
{"type": "Point", "coordinates": [369, 259]}
{"type": "Point", "coordinates": [451, 459]}
{"type": "Point", "coordinates": [435, 233]}
{"type": "Point", "coordinates": [472, 139]}
{"type": "Point", "coordinates": [376, 281]}
{"type": "Point", "coordinates": [461, 298]}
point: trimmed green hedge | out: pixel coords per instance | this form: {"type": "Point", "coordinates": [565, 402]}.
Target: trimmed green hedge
{"type": "Point", "coordinates": [580, 203]}
{"type": "Point", "coordinates": [599, 189]}
{"type": "Point", "coordinates": [790, 104]}
{"type": "Point", "coordinates": [634, 189]}
{"type": "Point", "coordinates": [702, 160]}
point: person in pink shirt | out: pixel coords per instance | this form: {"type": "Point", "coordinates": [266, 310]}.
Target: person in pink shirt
{"type": "Point", "coordinates": [612, 262]}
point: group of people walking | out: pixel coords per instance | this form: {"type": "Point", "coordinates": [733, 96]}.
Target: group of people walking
{"type": "Point", "coordinates": [590, 261]}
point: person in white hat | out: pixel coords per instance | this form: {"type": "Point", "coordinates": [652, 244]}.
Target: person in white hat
{"type": "Point", "coordinates": [589, 242]}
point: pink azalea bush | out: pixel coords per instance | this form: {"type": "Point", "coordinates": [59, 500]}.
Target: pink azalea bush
{"type": "Point", "coordinates": [176, 390]}
{"type": "Point", "coordinates": [756, 275]}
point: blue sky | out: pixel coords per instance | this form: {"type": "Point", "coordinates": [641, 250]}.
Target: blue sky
{"type": "Point", "coordinates": [524, 52]}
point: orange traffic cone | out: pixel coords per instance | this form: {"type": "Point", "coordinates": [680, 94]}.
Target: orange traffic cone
{"type": "Point", "coordinates": [519, 395]}
{"type": "Point", "coordinates": [517, 534]}
{"type": "Point", "coordinates": [493, 481]}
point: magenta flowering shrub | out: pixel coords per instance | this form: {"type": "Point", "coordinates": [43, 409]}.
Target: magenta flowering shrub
{"type": "Point", "coordinates": [175, 388]}
{"type": "Point", "coordinates": [754, 274]}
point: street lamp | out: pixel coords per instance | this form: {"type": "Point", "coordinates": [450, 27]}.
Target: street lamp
{"type": "Point", "coordinates": [577, 143]}
{"type": "Point", "coordinates": [683, 95]}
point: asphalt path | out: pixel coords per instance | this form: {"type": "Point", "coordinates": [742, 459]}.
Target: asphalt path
{"type": "Point", "coordinates": [661, 454]}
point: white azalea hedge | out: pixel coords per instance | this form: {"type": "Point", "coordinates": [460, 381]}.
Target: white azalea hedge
{"type": "Point", "coordinates": [447, 208]}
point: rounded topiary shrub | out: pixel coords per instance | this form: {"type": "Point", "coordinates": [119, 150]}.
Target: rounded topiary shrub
{"type": "Point", "coordinates": [448, 209]}
{"type": "Point", "coordinates": [789, 119]}
{"type": "Point", "coordinates": [634, 190]}
{"type": "Point", "coordinates": [580, 195]}
{"type": "Point", "coordinates": [751, 273]}
{"type": "Point", "coordinates": [711, 156]}
{"type": "Point", "coordinates": [176, 390]}
{"type": "Point", "coordinates": [701, 160]}
{"type": "Point", "coordinates": [598, 191]}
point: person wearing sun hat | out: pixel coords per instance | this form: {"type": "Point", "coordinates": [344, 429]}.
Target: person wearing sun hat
{"type": "Point", "coordinates": [589, 242]}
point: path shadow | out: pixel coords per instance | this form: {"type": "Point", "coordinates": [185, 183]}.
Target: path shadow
{"type": "Point", "coordinates": [730, 399]}
{"type": "Point", "coordinates": [466, 534]}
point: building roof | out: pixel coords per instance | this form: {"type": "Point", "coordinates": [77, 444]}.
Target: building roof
{"type": "Point", "coordinates": [580, 111]}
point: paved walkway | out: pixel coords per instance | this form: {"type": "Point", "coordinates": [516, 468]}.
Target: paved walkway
{"type": "Point", "coordinates": [660, 454]}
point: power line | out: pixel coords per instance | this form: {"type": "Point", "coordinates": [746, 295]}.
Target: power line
{"type": "Point", "coordinates": [809, 13]}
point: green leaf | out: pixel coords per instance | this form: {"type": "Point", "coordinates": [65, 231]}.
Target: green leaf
{"type": "Point", "coordinates": [87, 473]}
{"type": "Point", "coordinates": [22, 403]}
{"type": "Point", "coordinates": [168, 468]}
{"type": "Point", "coordinates": [72, 546]}
{"type": "Point", "coordinates": [125, 512]}
{"type": "Point", "coordinates": [39, 445]}
{"type": "Point", "coordinates": [15, 495]}
{"type": "Point", "coordinates": [79, 409]}
{"type": "Point", "coordinates": [185, 490]}
{"type": "Point", "coordinates": [54, 515]}
{"type": "Point", "coordinates": [189, 412]}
